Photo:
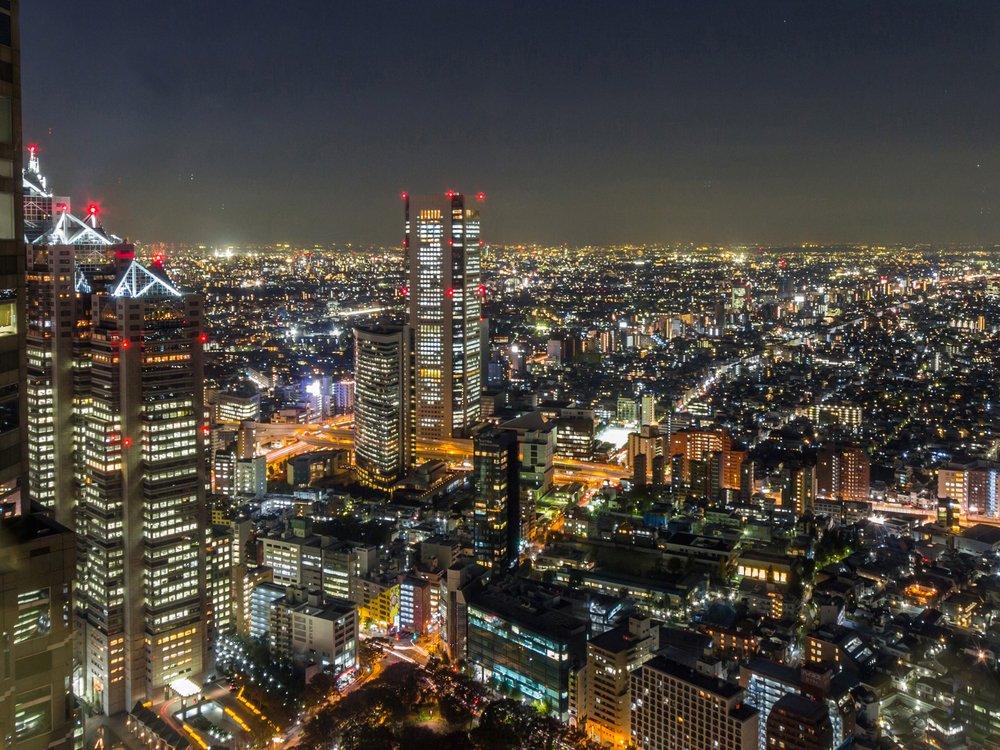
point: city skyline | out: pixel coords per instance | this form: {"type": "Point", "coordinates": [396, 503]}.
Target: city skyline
{"type": "Point", "coordinates": [445, 491]}
{"type": "Point", "coordinates": [691, 122]}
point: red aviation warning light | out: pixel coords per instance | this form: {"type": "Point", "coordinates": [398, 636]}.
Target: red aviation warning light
{"type": "Point", "coordinates": [450, 193]}
{"type": "Point", "coordinates": [33, 148]}
{"type": "Point", "coordinates": [125, 344]}
{"type": "Point", "coordinates": [203, 338]}
{"type": "Point", "coordinates": [480, 196]}
{"type": "Point", "coordinates": [450, 292]}
{"type": "Point", "coordinates": [404, 196]}
{"type": "Point", "coordinates": [405, 291]}
{"type": "Point", "coordinates": [93, 209]}
{"type": "Point", "coordinates": [127, 442]}
{"type": "Point", "coordinates": [482, 290]}
{"type": "Point", "coordinates": [205, 430]}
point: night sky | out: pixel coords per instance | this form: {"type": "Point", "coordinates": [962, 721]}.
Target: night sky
{"type": "Point", "coordinates": [584, 122]}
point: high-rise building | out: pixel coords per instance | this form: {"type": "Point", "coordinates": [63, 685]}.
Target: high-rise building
{"type": "Point", "coordinates": [648, 409]}
{"type": "Point", "coordinates": [382, 440]}
{"type": "Point", "coordinates": [13, 455]}
{"type": "Point", "coordinates": [975, 485]}
{"type": "Point", "coordinates": [141, 510]}
{"type": "Point", "coordinates": [536, 449]}
{"type": "Point", "coordinates": [497, 514]}
{"type": "Point", "coordinates": [843, 472]}
{"type": "Point", "coordinates": [647, 457]}
{"type": "Point", "coordinates": [37, 554]}
{"type": "Point", "coordinates": [693, 447]}
{"type": "Point", "coordinates": [68, 260]}
{"type": "Point", "coordinates": [675, 706]}
{"type": "Point", "coordinates": [611, 657]}
{"type": "Point", "coordinates": [445, 292]}
{"type": "Point", "coordinates": [797, 479]}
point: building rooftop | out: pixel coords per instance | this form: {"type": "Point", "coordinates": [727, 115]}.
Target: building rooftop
{"type": "Point", "coordinates": [721, 688]}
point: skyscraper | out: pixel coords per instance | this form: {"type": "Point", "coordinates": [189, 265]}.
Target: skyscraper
{"type": "Point", "coordinates": [444, 290]}
{"type": "Point", "coordinates": [382, 438]}
{"type": "Point", "coordinates": [68, 259]}
{"type": "Point", "coordinates": [36, 553]}
{"type": "Point", "coordinates": [140, 512]}
{"type": "Point", "coordinates": [497, 514]}
{"type": "Point", "coordinates": [12, 299]}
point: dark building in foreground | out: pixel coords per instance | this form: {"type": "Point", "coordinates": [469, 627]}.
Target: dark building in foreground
{"type": "Point", "coordinates": [37, 558]}
{"type": "Point", "coordinates": [497, 512]}
{"type": "Point", "coordinates": [13, 448]}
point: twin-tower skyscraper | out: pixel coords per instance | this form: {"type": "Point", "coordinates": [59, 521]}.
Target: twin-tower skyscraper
{"type": "Point", "coordinates": [423, 381]}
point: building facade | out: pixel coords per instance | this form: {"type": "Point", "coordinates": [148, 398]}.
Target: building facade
{"type": "Point", "coordinates": [674, 706]}
{"type": "Point", "coordinates": [444, 290]}
{"type": "Point", "coordinates": [382, 442]}
{"type": "Point", "coordinates": [141, 509]}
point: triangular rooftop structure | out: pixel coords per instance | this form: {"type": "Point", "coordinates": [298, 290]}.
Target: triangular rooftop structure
{"type": "Point", "coordinates": [138, 281]}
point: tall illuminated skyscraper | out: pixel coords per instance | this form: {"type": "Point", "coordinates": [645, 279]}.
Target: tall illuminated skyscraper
{"type": "Point", "coordinates": [68, 259]}
{"type": "Point", "coordinates": [140, 511]}
{"type": "Point", "coordinates": [381, 405]}
{"type": "Point", "coordinates": [444, 288]}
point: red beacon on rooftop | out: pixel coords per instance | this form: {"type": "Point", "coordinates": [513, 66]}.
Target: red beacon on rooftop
{"type": "Point", "coordinates": [33, 148]}
{"type": "Point", "coordinates": [203, 337]}
{"type": "Point", "coordinates": [404, 196]}
{"type": "Point", "coordinates": [93, 209]}
{"type": "Point", "coordinates": [450, 292]}
{"type": "Point", "coordinates": [480, 196]}
{"type": "Point", "coordinates": [450, 193]}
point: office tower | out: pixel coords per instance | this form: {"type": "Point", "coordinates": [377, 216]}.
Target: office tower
{"type": "Point", "coordinates": [13, 455]}
{"type": "Point", "coordinates": [381, 397]}
{"type": "Point", "coordinates": [238, 404]}
{"type": "Point", "coordinates": [497, 514]}
{"type": "Point", "coordinates": [445, 291]}
{"type": "Point", "coordinates": [68, 260]}
{"type": "Point", "coordinates": [647, 451]}
{"type": "Point", "coordinates": [843, 472]}
{"type": "Point", "coordinates": [798, 723]}
{"type": "Point", "coordinates": [37, 554]}
{"type": "Point", "coordinates": [674, 706]}
{"type": "Point", "coordinates": [140, 511]}
{"type": "Point", "coordinates": [536, 450]}
{"type": "Point", "coordinates": [611, 657]}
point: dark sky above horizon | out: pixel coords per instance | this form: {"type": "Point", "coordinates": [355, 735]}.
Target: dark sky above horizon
{"type": "Point", "coordinates": [584, 122]}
